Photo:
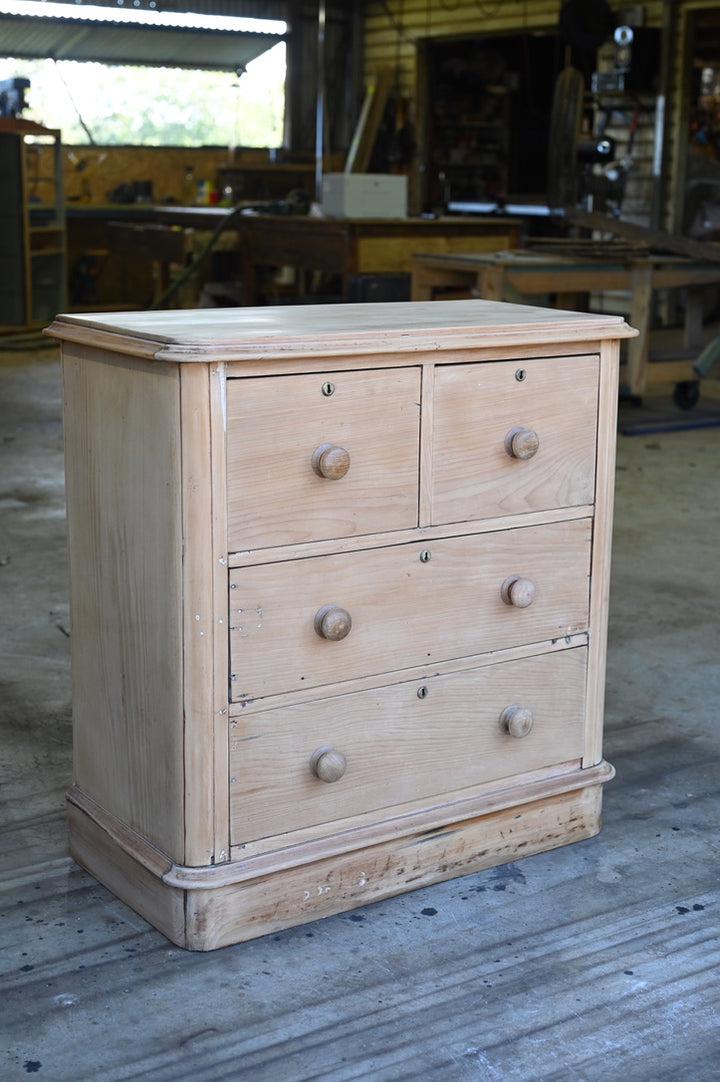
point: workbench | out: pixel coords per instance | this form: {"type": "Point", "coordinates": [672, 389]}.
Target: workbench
{"type": "Point", "coordinates": [101, 273]}
{"type": "Point", "coordinates": [567, 277]}
{"type": "Point", "coordinates": [353, 246]}
{"type": "Point", "coordinates": [343, 246]}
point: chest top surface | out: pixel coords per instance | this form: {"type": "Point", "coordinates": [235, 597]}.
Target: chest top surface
{"type": "Point", "coordinates": [207, 335]}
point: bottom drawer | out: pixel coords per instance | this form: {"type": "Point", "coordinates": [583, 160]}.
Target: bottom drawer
{"type": "Point", "coordinates": [405, 742]}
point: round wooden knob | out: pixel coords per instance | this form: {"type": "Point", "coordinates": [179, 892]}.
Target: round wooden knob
{"type": "Point", "coordinates": [332, 622]}
{"type": "Point", "coordinates": [518, 591]}
{"type": "Point", "coordinates": [331, 461]}
{"type": "Point", "coordinates": [516, 720]}
{"type": "Point", "coordinates": [328, 764]}
{"type": "Point", "coordinates": [522, 442]}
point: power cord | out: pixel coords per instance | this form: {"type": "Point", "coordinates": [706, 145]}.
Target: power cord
{"type": "Point", "coordinates": [193, 266]}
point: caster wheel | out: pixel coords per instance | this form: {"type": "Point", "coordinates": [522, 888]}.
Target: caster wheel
{"type": "Point", "coordinates": [686, 394]}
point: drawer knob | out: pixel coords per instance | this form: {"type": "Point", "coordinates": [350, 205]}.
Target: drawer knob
{"type": "Point", "coordinates": [328, 764]}
{"type": "Point", "coordinates": [516, 720]}
{"type": "Point", "coordinates": [329, 460]}
{"type": "Point", "coordinates": [518, 591]}
{"type": "Point", "coordinates": [522, 442]}
{"type": "Point", "coordinates": [332, 622]}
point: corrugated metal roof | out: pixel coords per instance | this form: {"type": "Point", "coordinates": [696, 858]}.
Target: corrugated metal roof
{"type": "Point", "coordinates": [29, 37]}
{"type": "Point", "coordinates": [246, 9]}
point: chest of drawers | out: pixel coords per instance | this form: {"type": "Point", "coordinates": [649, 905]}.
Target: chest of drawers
{"type": "Point", "coordinates": [339, 585]}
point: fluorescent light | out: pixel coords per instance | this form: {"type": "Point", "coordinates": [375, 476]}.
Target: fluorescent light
{"type": "Point", "coordinates": [91, 13]}
{"type": "Point", "coordinates": [529, 209]}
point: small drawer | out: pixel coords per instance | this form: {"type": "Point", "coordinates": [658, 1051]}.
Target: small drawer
{"type": "Point", "coordinates": [327, 455]}
{"type": "Point", "coordinates": [321, 761]}
{"type": "Point", "coordinates": [513, 437]}
{"type": "Point", "coordinates": [320, 621]}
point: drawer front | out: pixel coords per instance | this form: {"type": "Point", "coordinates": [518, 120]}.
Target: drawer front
{"type": "Point", "coordinates": [313, 457]}
{"type": "Point", "coordinates": [513, 437]}
{"type": "Point", "coordinates": [408, 605]}
{"type": "Point", "coordinates": [406, 742]}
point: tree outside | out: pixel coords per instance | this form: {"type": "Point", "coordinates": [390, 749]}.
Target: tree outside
{"type": "Point", "coordinates": [112, 106]}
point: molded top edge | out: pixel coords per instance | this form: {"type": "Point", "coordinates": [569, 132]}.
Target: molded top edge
{"type": "Point", "coordinates": [236, 333]}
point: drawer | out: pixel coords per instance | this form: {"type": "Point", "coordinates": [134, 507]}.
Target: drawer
{"type": "Point", "coordinates": [405, 742]}
{"type": "Point", "coordinates": [408, 605]}
{"type": "Point", "coordinates": [328, 455]}
{"type": "Point", "coordinates": [488, 417]}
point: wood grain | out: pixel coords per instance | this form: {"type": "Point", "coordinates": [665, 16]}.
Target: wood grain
{"type": "Point", "coordinates": [476, 406]}
{"type": "Point", "coordinates": [404, 611]}
{"type": "Point", "coordinates": [402, 742]}
{"type": "Point", "coordinates": [204, 627]}
{"type": "Point", "coordinates": [335, 330]}
{"type": "Point", "coordinates": [275, 496]}
{"type": "Point", "coordinates": [122, 445]}
{"type": "Point", "coordinates": [602, 551]}
{"type": "Point", "coordinates": [412, 633]}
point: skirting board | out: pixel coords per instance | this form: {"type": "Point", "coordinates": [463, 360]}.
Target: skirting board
{"type": "Point", "coordinates": [225, 904]}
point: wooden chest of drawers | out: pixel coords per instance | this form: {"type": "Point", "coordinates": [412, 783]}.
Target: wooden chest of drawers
{"type": "Point", "coordinates": [339, 586]}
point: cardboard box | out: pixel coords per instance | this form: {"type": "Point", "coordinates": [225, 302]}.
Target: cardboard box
{"type": "Point", "coordinates": [364, 195]}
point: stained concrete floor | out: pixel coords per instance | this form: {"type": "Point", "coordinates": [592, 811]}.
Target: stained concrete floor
{"type": "Point", "coordinates": [597, 961]}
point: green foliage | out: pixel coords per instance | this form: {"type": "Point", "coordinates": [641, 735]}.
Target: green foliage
{"type": "Point", "coordinates": [156, 106]}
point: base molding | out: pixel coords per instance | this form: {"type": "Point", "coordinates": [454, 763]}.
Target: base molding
{"type": "Point", "coordinates": [211, 907]}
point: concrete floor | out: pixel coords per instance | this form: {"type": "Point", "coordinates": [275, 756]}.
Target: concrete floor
{"type": "Point", "coordinates": [597, 961]}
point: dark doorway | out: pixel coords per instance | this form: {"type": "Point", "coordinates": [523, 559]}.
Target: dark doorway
{"type": "Point", "coordinates": [488, 102]}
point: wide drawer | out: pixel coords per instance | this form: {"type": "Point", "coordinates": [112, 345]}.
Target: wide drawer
{"type": "Point", "coordinates": [408, 605]}
{"type": "Point", "coordinates": [327, 455]}
{"type": "Point", "coordinates": [512, 437]}
{"type": "Point", "coordinates": [401, 743]}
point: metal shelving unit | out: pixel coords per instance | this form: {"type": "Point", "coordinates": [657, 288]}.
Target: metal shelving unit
{"type": "Point", "coordinates": [33, 249]}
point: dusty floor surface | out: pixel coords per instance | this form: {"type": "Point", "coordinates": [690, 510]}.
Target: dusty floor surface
{"type": "Point", "coordinates": [597, 961]}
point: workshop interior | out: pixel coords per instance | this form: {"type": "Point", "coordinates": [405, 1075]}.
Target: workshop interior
{"type": "Point", "coordinates": [359, 427]}
{"type": "Point", "coordinates": [597, 128]}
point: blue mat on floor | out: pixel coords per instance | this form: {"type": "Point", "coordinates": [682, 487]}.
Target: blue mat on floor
{"type": "Point", "coordinates": [665, 416]}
